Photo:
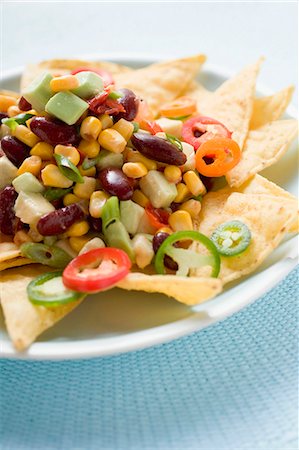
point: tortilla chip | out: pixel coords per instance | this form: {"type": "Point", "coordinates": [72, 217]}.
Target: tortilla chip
{"type": "Point", "coordinates": [187, 290]}
{"type": "Point", "coordinates": [263, 147]}
{"type": "Point", "coordinates": [267, 216]}
{"type": "Point", "coordinates": [15, 262]}
{"type": "Point", "coordinates": [9, 93]}
{"type": "Point", "coordinates": [24, 321]}
{"type": "Point", "coordinates": [9, 250]}
{"type": "Point", "coordinates": [232, 102]}
{"type": "Point", "coordinates": [162, 82]}
{"type": "Point", "coordinates": [63, 66]}
{"type": "Point", "coordinates": [260, 185]}
{"type": "Point", "coordinates": [268, 109]}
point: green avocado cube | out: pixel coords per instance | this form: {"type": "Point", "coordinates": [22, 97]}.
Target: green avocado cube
{"type": "Point", "coordinates": [66, 107]}
{"type": "Point", "coordinates": [90, 84]}
{"type": "Point", "coordinates": [39, 92]}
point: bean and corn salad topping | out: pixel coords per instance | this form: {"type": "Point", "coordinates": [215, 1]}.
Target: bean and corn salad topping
{"type": "Point", "coordinates": [85, 167]}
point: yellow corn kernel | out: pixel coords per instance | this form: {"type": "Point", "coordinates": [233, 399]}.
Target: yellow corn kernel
{"type": "Point", "coordinates": [43, 150]}
{"type": "Point", "coordinates": [140, 198]}
{"type": "Point", "coordinates": [180, 221]}
{"type": "Point", "coordinates": [194, 183]}
{"type": "Point", "coordinates": [87, 172]}
{"type": "Point", "coordinates": [6, 101]}
{"type": "Point", "coordinates": [33, 112]}
{"type": "Point", "coordinates": [125, 128]}
{"type": "Point", "coordinates": [192, 206]}
{"type": "Point", "coordinates": [69, 152]}
{"type": "Point", "coordinates": [134, 156]}
{"type": "Point", "coordinates": [21, 237]}
{"type": "Point", "coordinates": [173, 174]}
{"type": "Point", "coordinates": [112, 140]}
{"type": "Point", "coordinates": [51, 176]}
{"type": "Point", "coordinates": [164, 230]}
{"type": "Point", "coordinates": [13, 111]}
{"type": "Point", "coordinates": [25, 135]}
{"type": "Point", "coordinates": [78, 229]}
{"type": "Point", "coordinates": [69, 199]}
{"type": "Point", "coordinates": [97, 202]}
{"type": "Point", "coordinates": [94, 243]}
{"type": "Point", "coordinates": [106, 121]}
{"type": "Point", "coordinates": [34, 235]}
{"type": "Point", "coordinates": [134, 169]}
{"type": "Point", "coordinates": [91, 149]}
{"type": "Point", "coordinates": [78, 242]}
{"type": "Point", "coordinates": [90, 128]}
{"type": "Point", "coordinates": [183, 193]}
{"type": "Point", "coordinates": [32, 164]}
{"type": "Point", "coordinates": [84, 190]}
{"type": "Point", "coordinates": [64, 83]}
{"type": "Point", "coordinates": [46, 163]}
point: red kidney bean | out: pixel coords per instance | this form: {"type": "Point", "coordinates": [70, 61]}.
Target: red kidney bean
{"type": "Point", "coordinates": [57, 222]}
{"type": "Point", "coordinates": [14, 149]}
{"type": "Point", "coordinates": [158, 239]}
{"type": "Point", "coordinates": [24, 105]}
{"type": "Point", "coordinates": [158, 149]}
{"type": "Point", "coordinates": [8, 219]}
{"type": "Point", "coordinates": [95, 224]}
{"type": "Point", "coordinates": [115, 182]}
{"type": "Point", "coordinates": [3, 116]}
{"type": "Point", "coordinates": [130, 102]}
{"type": "Point", "coordinates": [53, 131]}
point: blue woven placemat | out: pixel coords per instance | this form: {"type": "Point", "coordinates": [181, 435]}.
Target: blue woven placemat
{"type": "Point", "coordinates": [231, 386]}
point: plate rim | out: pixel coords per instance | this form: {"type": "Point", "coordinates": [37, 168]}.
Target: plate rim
{"type": "Point", "coordinates": [139, 340]}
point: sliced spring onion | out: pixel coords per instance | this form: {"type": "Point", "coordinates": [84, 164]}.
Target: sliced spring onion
{"type": "Point", "coordinates": [68, 169]}
{"type": "Point", "coordinates": [187, 258]}
{"type": "Point", "coordinates": [179, 117]}
{"type": "Point", "coordinates": [175, 141]}
{"type": "Point", "coordinates": [136, 126]}
{"type": "Point", "coordinates": [115, 95]}
{"type": "Point", "coordinates": [231, 238]}
{"type": "Point", "coordinates": [51, 194]}
{"type": "Point", "coordinates": [88, 163]}
{"type": "Point", "coordinates": [44, 254]}
{"type": "Point", "coordinates": [48, 290]}
{"type": "Point", "coordinates": [110, 212]}
{"type": "Point", "coordinates": [20, 119]}
{"type": "Point", "coordinates": [117, 236]}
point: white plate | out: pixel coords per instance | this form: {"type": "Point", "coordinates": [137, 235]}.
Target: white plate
{"type": "Point", "coordinates": [119, 321]}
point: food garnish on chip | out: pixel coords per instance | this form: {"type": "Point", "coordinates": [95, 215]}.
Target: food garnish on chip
{"type": "Point", "coordinates": [109, 180]}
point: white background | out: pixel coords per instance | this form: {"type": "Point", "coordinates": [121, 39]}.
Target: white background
{"type": "Point", "coordinates": [232, 34]}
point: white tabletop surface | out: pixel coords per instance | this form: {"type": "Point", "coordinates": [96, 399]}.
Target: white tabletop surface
{"type": "Point", "coordinates": [230, 34]}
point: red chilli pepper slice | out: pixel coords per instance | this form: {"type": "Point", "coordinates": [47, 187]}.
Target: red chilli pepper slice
{"type": "Point", "coordinates": [200, 129]}
{"type": "Point", "coordinates": [157, 217]}
{"type": "Point", "coordinates": [106, 76]}
{"type": "Point", "coordinates": [151, 126]}
{"type": "Point", "coordinates": [217, 156]}
{"type": "Point", "coordinates": [96, 270]}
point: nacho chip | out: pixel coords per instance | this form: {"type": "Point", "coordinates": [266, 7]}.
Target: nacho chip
{"type": "Point", "coordinates": [24, 320]}
{"type": "Point", "coordinates": [8, 250]}
{"type": "Point", "coordinates": [64, 66]}
{"type": "Point", "coordinates": [187, 290]}
{"type": "Point", "coordinates": [268, 109]}
{"type": "Point", "coordinates": [232, 102]}
{"type": "Point", "coordinates": [260, 185]}
{"type": "Point", "coordinates": [15, 262]}
{"type": "Point", "coordinates": [267, 216]}
{"type": "Point", "coordinates": [263, 147]}
{"type": "Point", "coordinates": [9, 93]}
{"type": "Point", "coordinates": [162, 82]}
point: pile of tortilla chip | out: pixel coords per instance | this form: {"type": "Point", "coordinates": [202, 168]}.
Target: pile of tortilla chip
{"type": "Point", "coordinates": [269, 211]}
